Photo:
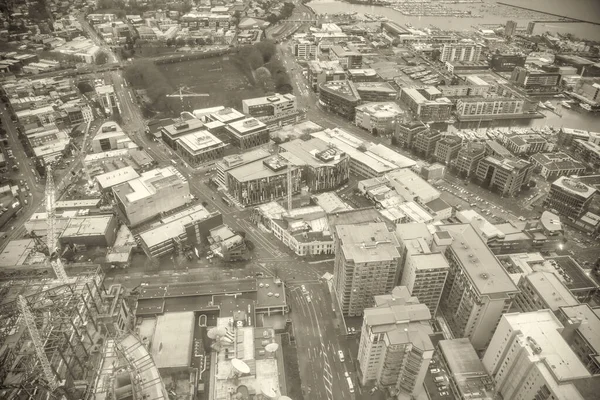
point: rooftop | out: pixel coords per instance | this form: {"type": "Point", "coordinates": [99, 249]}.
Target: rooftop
{"type": "Point", "coordinates": [116, 177]}
{"type": "Point", "coordinates": [428, 261]}
{"type": "Point", "coordinates": [87, 226]}
{"type": "Point", "coordinates": [245, 126]}
{"type": "Point", "coordinates": [172, 341]}
{"type": "Point", "coordinates": [382, 87]}
{"type": "Point", "coordinates": [274, 99]}
{"type": "Point", "coordinates": [148, 184]}
{"type": "Point", "coordinates": [381, 109]}
{"type": "Point", "coordinates": [331, 202]}
{"type": "Point", "coordinates": [483, 269]}
{"type": "Point", "coordinates": [370, 242]}
{"type": "Point", "coordinates": [313, 152]}
{"type": "Point", "coordinates": [552, 291]}
{"type": "Point", "coordinates": [183, 127]}
{"type": "Point", "coordinates": [237, 160]}
{"type": "Point", "coordinates": [411, 186]}
{"type": "Point", "coordinates": [574, 187]}
{"type": "Point", "coordinates": [259, 169]}
{"type": "Point", "coordinates": [20, 252]}
{"type": "Point", "coordinates": [589, 323]}
{"type": "Point", "coordinates": [199, 141]}
{"type": "Point", "coordinates": [345, 89]}
{"type": "Point", "coordinates": [226, 115]}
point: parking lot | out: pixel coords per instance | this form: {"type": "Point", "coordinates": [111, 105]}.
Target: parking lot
{"type": "Point", "coordinates": [436, 381]}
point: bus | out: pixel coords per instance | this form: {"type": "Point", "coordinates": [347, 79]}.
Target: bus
{"type": "Point", "coordinates": [350, 385]}
{"type": "Point", "coordinates": [226, 200]}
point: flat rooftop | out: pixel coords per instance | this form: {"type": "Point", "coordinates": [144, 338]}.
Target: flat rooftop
{"type": "Point", "coordinates": [258, 169]}
{"type": "Point", "coordinates": [370, 242]}
{"type": "Point", "coordinates": [482, 267]}
{"type": "Point", "coordinates": [345, 89]}
{"type": "Point", "coordinates": [199, 141]}
{"type": "Point", "coordinates": [551, 289]}
{"type": "Point", "coordinates": [116, 177]}
{"type": "Point", "coordinates": [237, 160]}
{"type": "Point", "coordinates": [226, 115]}
{"type": "Point", "coordinates": [274, 99]}
{"type": "Point", "coordinates": [148, 184]}
{"type": "Point", "coordinates": [87, 226]}
{"type": "Point", "coordinates": [183, 127]}
{"type": "Point", "coordinates": [590, 323]}
{"type": "Point", "coordinates": [411, 186]}
{"type": "Point", "coordinates": [172, 340]}
{"type": "Point", "coordinates": [429, 261]}
{"type": "Point", "coordinates": [246, 126]}
{"type": "Point", "coordinates": [578, 279]}
{"type": "Point", "coordinates": [574, 187]}
{"type": "Point", "coordinates": [313, 152]}
{"type": "Point", "coordinates": [20, 252]}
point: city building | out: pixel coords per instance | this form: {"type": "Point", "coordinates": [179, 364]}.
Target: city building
{"type": "Point", "coordinates": [227, 244]}
{"type": "Point", "coordinates": [425, 142]}
{"type": "Point", "coordinates": [554, 165]}
{"type": "Point", "coordinates": [270, 106]}
{"type": "Point", "coordinates": [184, 229]}
{"type": "Point", "coordinates": [323, 167]}
{"type": "Point", "coordinates": [366, 265]}
{"type": "Point", "coordinates": [395, 348]}
{"type": "Point", "coordinates": [493, 148]}
{"type": "Point", "coordinates": [110, 136]}
{"type": "Point", "coordinates": [199, 147]}
{"type": "Point", "coordinates": [108, 99]}
{"type": "Point", "coordinates": [528, 358]}
{"type": "Point", "coordinates": [542, 290]}
{"type": "Point", "coordinates": [426, 103]}
{"type": "Point", "coordinates": [91, 230]}
{"type": "Point", "coordinates": [582, 333]}
{"type": "Point", "coordinates": [478, 290]}
{"type": "Point", "coordinates": [170, 133]}
{"type": "Point", "coordinates": [526, 144]}
{"type": "Point", "coordinates": [378, 118]}
{"type": "Point", "coordinates": [507, 176]}
{"type": "Point", "coordinates": [567, 136]}
{"type": "Point", "coordinates": [348, 59]}
{"type": "Point", "coordinates": [486, 109]}
{"type": "Point", "coordinates": [154, 192]}
{"type": "Point", "coordinates": [535, 80]}
{"type": "Point", "coordinates": [233, 161]}
{"type": "Point", "coordinates": [305, 49]}
{"type": "Point", "coordinates": [506, 62]}
{"type": "Point", "coordinates": [247, 133]}
{"type": "Point", "coordinates": [21, 252]}
{"type": "Point", "coordinates": [375, 91]}
{"type": "Point", "coordinates": [589, 151]}
{"type": "Point", "coordinates": [407, 131]}
{"type": "Point", "coordinates": [468, 379]}
{"type": "Point", "coordinates": [464, 50]}
{"type": "Point", "coordinates": [447, 149]}
{"type": "Point", "coordinates": [263, 180]}
{"type": "Point", "coordinates": [424, 274]}
{"type": "Point", "coordinates": [340, 97]}
{"type": "Point", "coordinates": [569, 197]}
{"type": "Point", "coordinates": [324, 71]}
{"type": "Point", "coordinates": [362, 75]}
{"type": "Point", "coordinates": [510, 28]}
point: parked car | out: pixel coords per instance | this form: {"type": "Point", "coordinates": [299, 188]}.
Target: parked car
{"type": "Point", "coordinates": [341, 355]}
{"type": "Point", "coordinates": [435, 371]}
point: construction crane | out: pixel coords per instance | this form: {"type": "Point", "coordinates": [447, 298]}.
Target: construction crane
{"type": "Point", "coordinates": [36, 339]}
{"type": "Point", "coordinates": [290, 186]}
{"type": "Point", "coordinates": [52, 236]}
{"type": "Point", "coordinates": [181, 94]}
{"type": "Point", "coordinates": [83, 152]}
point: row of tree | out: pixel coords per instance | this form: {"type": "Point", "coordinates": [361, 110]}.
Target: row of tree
{"type": "Point", "coordinates": [143, 74]}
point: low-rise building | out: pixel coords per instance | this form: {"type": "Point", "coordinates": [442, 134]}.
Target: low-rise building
{"type": "Point", "coordinates": [227, 244]}
{"type": "Point", "coordinates": [110, 136]}
{"type": "Point", "coordinates": [340, 97]}
{"type": "Point", "coordinates": [427, 103]}
{"type": "Point", "coordinates": [569, 197]}
{"type": "Point", "coordinates": [362, 75]}
{"type": "Point", "coordinates": [348, 59]}
{"type": "Point", "coordinates": [91, 230]}
{"type": "Point", "coordinates": [554, 165]}
{"type": "Point", "coordinates": [270, 106]}
{"type": "Point", "coordinates": [375, 91]}
{"type": "Point", "coordinates": [486, 109]}
{"type": "Point", "coordinates": [248, 133]}
{"type": "Point", "coordinates": [324, 71]}
{"type": "Point", "coordinates": [378, 118]}
{"type": "Point", "coordinates": [154, 192]}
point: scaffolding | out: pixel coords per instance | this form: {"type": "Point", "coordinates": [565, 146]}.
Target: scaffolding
{"type": "Point", "coordinates": [63, 317]}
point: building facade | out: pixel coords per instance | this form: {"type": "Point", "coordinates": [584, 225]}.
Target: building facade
{"type": "Point", "coordinates": [447, 149]}
{"type": "Point", "coordinates": [270, 106]}
{"type": "Point", "coordinates": [378, 118]}
{"type": "Point", "coordinates": [569, 197]}
{"type": "Point", "coordinates": [461, 51]}
{"type": "Point", "coordinates": [339, 97]}
{"type": "Point", "coordinates": [507, 176]}
{"type": "Point", "coordinates": [488, 108]}
{"type": "Point", "coordinates": [248, 133]}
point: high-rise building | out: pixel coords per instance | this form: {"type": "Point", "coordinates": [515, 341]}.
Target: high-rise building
{"type": "Point", "coordinates": [366, 265]}
{"type": "Point", "coordinates": [529, 359]}
{"type": "Point", "coordinates": [582, 333]}
{"type": "Point", "coordinates": [465, 50]}
{"type": "Point", "coordinates": [424, 274]}
{"type": "Point", "coordinates": [507, 176]}
{"type": "Point", "coordinates": [510, 28]}
{"type": "Point", "coordinates": [530, 27]}
{"type": "Point", "coordinates": [543, 290]}
{"type": "Point", "coordinates": [395, 347]}
{"type": "Point", "coordinates": [447, 148]}
{"type": "Point", "coordinates": [478, 290]}
{"type": "Point", "coordinates": [468, 158]}
{"type": "Point", "coordinates": [569, 197]}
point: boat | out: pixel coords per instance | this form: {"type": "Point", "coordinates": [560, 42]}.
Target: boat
{"type": "Point", "coordinates": [565, 104]}
{"type": "Point", "coordinates": [549, 105]}
{"type": "Point", "coordinates": [586, 107]}
{"type": "Point", "coordinates": [541, 105]}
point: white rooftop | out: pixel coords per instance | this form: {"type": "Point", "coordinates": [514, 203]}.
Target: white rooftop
{"type": "Point", "coordinates": [116, 177]}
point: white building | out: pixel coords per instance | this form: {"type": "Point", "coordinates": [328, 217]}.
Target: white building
{"type": "Point", "coordinates": [378, 118]}
{"type": "Point", "coordinates": [465, 50]}
{"type": "Point", "coordinates": [269, 106]}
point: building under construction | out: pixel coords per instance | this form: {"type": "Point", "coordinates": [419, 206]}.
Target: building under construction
{"type": "Point", "coordinates": [54, 333]}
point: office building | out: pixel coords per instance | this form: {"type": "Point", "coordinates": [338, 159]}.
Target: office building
{"type": "Point", "coordinates": [187, 228]}
{"type": "Point", "coordinates": [478, 290]}
{"type": "Point", "coordinates": [378, 118]}
{"type": "Point", "coordinates": [506, 62]}
{"type": "Point", "coordinates": [554, 165]}
{"type": "Point", "coordinates": [366, 265]}
{"type": "Point", "coordinates": [510, 28]}
{"type": "Point", "coordinates": [395, 348]}
{"type": "Point", "coordinates": [426, 103]}
{"type": "Point", "coordinates": [487, 109]}
{"type": "Point", "coordinates": [507, 176]}
{"type": "Point", "coordinates": [588, 151]}
{"type": "Point", "coordinates": [447, 149]}
{"type": "Point", "coordinates": [528, 358]}
{"type": "Point", "coordinates": [407, 131]}
{"type": "Point", "coordinates": [324, 168]}
{"type": "Point", "coordinates": [305, 49]}
{"type": "Point", "coordinates": [270, 106]}
{"type": "Point", "coordinates": [569, 197]}
{"type": "Point", "coordinates": [199, 147]}
{"type": "Point", "coordinates": [542, 290]}
{"type": "Point", "coordinates": [154, 192]}
{"type": "Point", "coordinates": [532, 143]}
{"type": "Point", "coordinates": [464, 50]}
{"type": "Point", "coordinates": [340, 97]}
{"type": "Point", "coordinates": [247, 133]}
{"type": "Point", "coordinates": [233, 161]}
{"type": "Point", "coordinates": [375, 91]}
{"type": "Point", "coordinates": [108, 99]}
{"type": "Point", "coordinates": [324, 71]}
{"type": "Point", "coordinates": [170, 133]}
{"type": "Point", "coordinates": [263, 180]}
{"type": "Point", "coordinates": [362, 75]}
{"type": "Point", "coordinates": [535, 80]}
{"type": "Point", "coordinates": [582, 333]}
{"type": "Point", "coordinates": [468, 379]}
{"type": "Point", "coordinates": [468, 158]}
{"type": "Point", "coordinates": [425, 142]}
{"type": "Point", "coordinates": [348, 59]}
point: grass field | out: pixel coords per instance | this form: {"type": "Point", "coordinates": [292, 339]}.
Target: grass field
{"type": "Point", "coordinates": [218, 76]}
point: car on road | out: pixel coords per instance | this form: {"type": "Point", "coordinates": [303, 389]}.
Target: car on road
{"type": "Point", "coordinates": [308, 299]}
{"type": "Point", "coordinates": [347, 374]}
{"type": "Point", "coordinates": [341, 355]}
{"type": "Point", "coordinates": [435, 371]}
{"type": "Point", "coordinates": [303, 288]}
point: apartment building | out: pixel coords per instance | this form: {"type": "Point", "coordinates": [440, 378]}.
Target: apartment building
{"type": "Point", "coordinates": [378, 118]}
{"type": "Point", "coordinates": [569, 197]}
{"type": "Point", "coordinates": [247, 133]}
{"type": "Point", "coordinates": [528, 358]}
{"type": "Point", "coordinates": [464, 50]}
{"type": "Point", "coordinates": [535, 80]}
{"type": "Point", "coordinates": [582, 333]}
{"type": "Point", "coordinates": [507, 176]}
{"type": "Point", "coordinates": [375, 91]}
{"type": "Point", "coordinates": [542, 290]}
{"type": "Point", "coordinates": [154, 192]}
{"type": "Point", "coordinates": [366, 265]}
{"type": "Point", "coordinates": [485, 109]}
{"type": "Point", "coordinates": [270, 106]}
{"type": "Point", "coordinates": [447, 149]}
{"type": "Point", "coordinates": [424, 274]}
{"type": "Point", "coordinates": [348, 59]}
{"type": "Point", "coordinates": [339, 97]}
{"type": "Point", "coordinates": [468, 379]}
{"type": "Point", "coordinates": [478, 290]}
{"type": "Point", "coordinates": [324, 168]}
{"type": "Point", "coordinates": [395, 347]}
{"type": "Point", "coordinates": [324, 71]}
{"type": "Point", "coordinates": [407, 131]}
{"type": "Point", "coordinates": [305, 49]}
{"type": "Point", "coordinates": [426, 103]}
{"type": "Point", "coordinates": [588, 151]}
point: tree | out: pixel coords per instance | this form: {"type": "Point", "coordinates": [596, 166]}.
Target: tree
{"type": "Point", "coordinates": [101, 58]}
{"type": "Point", "coordinates": [180, 42]}
{"type": "Point", "coordinates": [249, 244]}
{"type": "Point", "coordinates": [204, 204]}
{"type": "Point", "coordinates": [85, 87]}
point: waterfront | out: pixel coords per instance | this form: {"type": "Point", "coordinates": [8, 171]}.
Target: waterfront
{"type": "Point", "coordinates": [492, 14]}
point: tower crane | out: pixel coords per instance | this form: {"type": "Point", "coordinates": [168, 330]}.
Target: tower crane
{"type": "Point", "coordinates": [37, 343]}
{"type": "Point", "coordinates": [52, 236]}
{"type": "Point", "coordinates": [181, 94]}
